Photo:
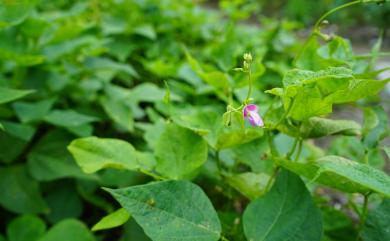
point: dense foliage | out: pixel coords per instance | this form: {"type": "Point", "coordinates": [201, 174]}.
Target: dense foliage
{"type": "Point", "coordinates": [138, 120]}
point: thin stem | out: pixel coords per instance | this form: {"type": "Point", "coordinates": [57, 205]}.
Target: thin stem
{"type": "Point", "coordinates": [270, 180]}
{"type": "Point", "coordinates": [289, 154]}
{"type": "Point", "coordinates": [322, 18]}
{"type": "Point", "coordinates": [151, 174]}
{"type": "Point", "coordinates": [363, 215]}
{"type": "Point", "coordinates": [299, 150]}
{"type": "Point", "coordinates": [319, 21]}
{"type": "Point", "coordinates": [271, 143]}
{"type": "Point", "coordinates": [218, 161]}
{"type": "Point", "coordinates": [285, 114]}
{"type": "Point", "coordinates": [367, 56]}
{"type": "Point", "coordinates": [250, 87]}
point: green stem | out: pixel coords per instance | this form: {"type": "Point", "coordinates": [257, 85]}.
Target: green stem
{"type": "Point", "coordinates": [218, 161]}
{"type": "Point", "coordinates": [151, 174]}
{"type": "Point", "coordinates": [270, 180]}
{"type": "Point", "coordinates": [322, 18]}
{"type": "Point", "coordinates": [285, 114]}
{"type": "Point", "coordinates": [367, 56]}
{"type": "Point", "coordinates": [250, 87]}
{"type": "Point", "coordinates": [299, 150]}
{"type": "Point", "coordinates": [289, 154]}
{"type": "Point", "coordinates": [271, 143]}
{"type": "Point", "coordinates": [363, 215]}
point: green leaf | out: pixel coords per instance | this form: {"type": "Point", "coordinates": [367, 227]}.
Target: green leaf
{"type": "Point", "coordinates": [7, 94]}
{"type": "Point", "coordinates": [64, 202]}
{"type": "Point", "coordinates": [119, 113]}
{"type": "Point", "coordinates": [171, 210]}
{"type": "Point", "coordinates": [20, 193]}
{"type": "Point", "coordinates": [14, 140]}
{"type": "Point", "coordinates": [68, 228]}
{"type": "Point", "coordinates": [146, 30]}
{"type": "Point", "coordinates": [93, 154]}
{"type": "Point", "coordinates": [29, 112]}
{"type": "Point", "coordinates": [317, 127]}
{"type": "Point", "coordinates": [308, 93]}
{"type": "Point", "coordinates": [343, 174]}
{"type": "Point", "coordinates": [209, 124]}
{"type": "Point", "coordinates": [251, 185]}
{"type": "Point", "coordinates": [68, 118]}
{"type": "Point", "coordinates": [376, 227]}
{"type": "Point", "coordinates": [276, 215]}
{"type": "Point", "coordinates": [26, 228]}
{"type": "Point", "coordinates": [115, 219]}
{"type": "Point", "coordinates": [378, 129]}
{"type": "Point", "coordinates": [50, 160]}
{"type": "Point", "coordinates": [337, 75]}
{"type": "Point", "coordinates": [179, 152]}
{"type": "Point", "coordinates": [14, 12]}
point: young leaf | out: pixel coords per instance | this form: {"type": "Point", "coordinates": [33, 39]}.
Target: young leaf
{"type": "Point", "coordinates": [171, 210]}
{"type": "Point", "coordinates": [318, 127]}
{"type": "Point", "coordinates": [7, 95]}
{"type": "Point", "coordinates": [68, 228]}
{"type": "Point", "coordinates": [250, 184]}
{"type": "Point", "coordinates": [376, 227]}
{"type": "Point", "coordinates": [50, 160]}
{"type": "Point", "coordinates": [20, 194]}
{"type": "Point", "coordinates": [179, 152]}
{"type": "Point", "coordinates": [343, 174]}
{"type": "Point", "coordinates": [286, 211]}
{"type": "Point", "coordinates": [112, 220]}
{"type": "Point", "coordinates": [26, 228]}
{"type": "Point", "coordinates": [119, 112]}
{"type": "Point", "coordinates": [93, 154]}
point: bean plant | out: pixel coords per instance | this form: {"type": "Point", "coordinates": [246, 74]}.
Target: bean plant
{"type": "Point", "coordinates": [167, 121]}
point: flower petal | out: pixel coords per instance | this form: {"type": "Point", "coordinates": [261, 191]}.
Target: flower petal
{"type": "Point", "coordinates": [249, 108]}
{"type": "Point", "coordinates": [255, 119]}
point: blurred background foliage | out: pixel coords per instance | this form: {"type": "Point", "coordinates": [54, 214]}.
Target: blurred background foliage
{"type": "Point", "coordinates": [98, 68]}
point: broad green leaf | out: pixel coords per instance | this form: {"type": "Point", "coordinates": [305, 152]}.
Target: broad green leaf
{"type": "Point", "coordinates": [20, 193]}
{"type": "Point", "coordinates": [209, 124]}
{"type": "Point", "coordinates": [112, 220]}
{"type": "Point", "coordinates": [376, 227]}
{"type": "Point", "coordinates": [286, 211]}
{"type": "Point", "coordinates": [179, 152]}
{"type": "Point", "coordinates": [308, 93]}
{"type": "Point", "coordinates": [68, 228]}
{"type": "Point", "coordinates": [171, 210]}
{"type": "Point", "coordinates": [50, 160]}
{"type": "Point", "coordinates": [378, 129]}
{"type": "Point", "coordinates": [104, 64]}
{"type": "Point", "coordinates": [357, 89]}
{"type": "Point", "coordinates": [318, 127]}
{"type": "Point", "coordinates": [7, 94]}
{"type": "Point", "coordinates": [14, 139]}
{"type": "Point", "coordinates": [132, 231]}
{"type": "Point", "coordinates": [251, 185]}
{"type": "Point", "coordinates": [119, 113]}
{"type": "Point", "coordinates": [64, 202]}
{"type": "Point", "coordinates": [14, 12]}
{"type": "Point", "coordinates": [26, 228]}
{"type": "Point", "coordinates": [68, 118]}
{"type": "Point", "coordinates": [343, 174]}
{"type": "Point", "coordinates": [28, 112]}
{"type": "Point", "coordinates": [146, 30]}
{"type": "Point", "coordinates": [336, 75]}
{"type": "Point", "coordinates": [93, 154]}
{"type": "Point", "coordinates": [2, 238]}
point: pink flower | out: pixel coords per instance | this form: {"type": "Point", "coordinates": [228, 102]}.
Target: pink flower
{"type": "Point", "coordinates": [250, 113]}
